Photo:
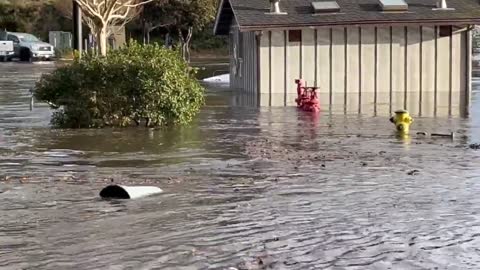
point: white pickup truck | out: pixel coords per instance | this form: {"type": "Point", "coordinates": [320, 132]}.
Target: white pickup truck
{"type": "Point", "coordinates": [6, 48]}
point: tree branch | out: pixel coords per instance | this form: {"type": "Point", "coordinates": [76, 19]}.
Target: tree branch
{"type": "Point", "coordinates": [102, 15]}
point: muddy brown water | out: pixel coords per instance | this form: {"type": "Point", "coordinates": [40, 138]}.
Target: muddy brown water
{"type": "Point", "coordinates": [245, 188]}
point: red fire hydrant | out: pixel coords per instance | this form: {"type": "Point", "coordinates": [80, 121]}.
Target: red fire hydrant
{"type": "Point", "coordinates": [307, 98]}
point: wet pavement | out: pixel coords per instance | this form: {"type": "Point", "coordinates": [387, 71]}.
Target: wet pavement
{"type": "Point", "coordinates": [245, 188]}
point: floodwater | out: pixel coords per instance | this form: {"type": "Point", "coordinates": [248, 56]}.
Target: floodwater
{"type": "Point", "coordinates": [245, 188]}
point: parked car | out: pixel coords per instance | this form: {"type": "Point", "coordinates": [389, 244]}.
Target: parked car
{"type": "Point", "coordinates": [28, 47]}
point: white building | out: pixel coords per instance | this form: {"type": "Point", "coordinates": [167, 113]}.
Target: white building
{"type": "Point", "coordinates": [367, 56]}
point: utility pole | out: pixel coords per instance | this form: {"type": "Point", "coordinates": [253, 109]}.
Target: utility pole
{"type": "Point", "coordinates": [77, 27]}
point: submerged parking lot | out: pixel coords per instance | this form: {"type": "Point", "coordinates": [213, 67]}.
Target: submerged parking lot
{"type": "Point", "coordinates": [245, 187]}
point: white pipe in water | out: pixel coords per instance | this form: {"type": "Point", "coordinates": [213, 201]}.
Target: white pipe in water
{"type": "Point", "coordinates": [128, 192]}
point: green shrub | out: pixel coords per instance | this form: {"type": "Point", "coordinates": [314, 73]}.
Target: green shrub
{"type": "Point", "coordinates": [136, 85]}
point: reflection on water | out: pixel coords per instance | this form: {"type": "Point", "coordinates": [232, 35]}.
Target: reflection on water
{"type": "Point", "coordinates": [246, 187]}
{"type": "Point", "coordinates": [365, 104]}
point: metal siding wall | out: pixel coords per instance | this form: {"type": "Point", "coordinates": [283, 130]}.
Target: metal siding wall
{"type": "Point", "coordinates": [248, 65]}
{"type": "Point", "coordinates": [366, 95]}
{"type": "Point", "coordinates": [253, 51]}
{"type": "Point", "coordinates": [308, 56]}
{"type": "Point", "coordinates": [365, 64]}
{"type": "Point", "coordinates": [278, 66]}
{"type": "Point", "coordinates": [353, 69]}
{"type": "Point", "coordinates": [232, 41]}
{"type": "Point", "coordinates": [468, 72]}
{"type": "Point", "coordinates": [413, 70]}
{"type": "Point", "coordinates": [241, 61]}
{"type": "Point", "coordinates": [249, 62]}
{"type": "Point", "coordinates": [443, 74]}
{"type": "Point", "coordinates": [255, 61]}
{"type": "Point", "coordinates": [264, 71]}
{"type": "Point", "coordinates": [458, 71]}
{"type": "Point", "coordinates": [230, 53]}
{"type": "Point", "coordinates": [428, 71]}
{"type": "Point", "coordinates": [245, 62]}
{"type": "Point", "coordinates": [383, 70]}
{"type": "Point", "coordinates": [253, 47]}
{"type": "Point", "coordinates": [463, 80]}
{"type": "Point", "coordinates": [398, 67]}
{"type": "Point", "coordinates": [293, 70]}
{"type": "Point", "coordinates": [323, 65]}
{"type": "Point", "coordinates": [237, 81]}
{"type": "Point", "coordinates": [338, 67]}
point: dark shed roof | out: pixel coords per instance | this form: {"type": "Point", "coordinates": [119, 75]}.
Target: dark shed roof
{"type": "Point", "coordinates": [250, 14]}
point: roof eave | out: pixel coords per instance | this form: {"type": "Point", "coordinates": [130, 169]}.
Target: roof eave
{"type": "Point", "coordinates": [246, 28]}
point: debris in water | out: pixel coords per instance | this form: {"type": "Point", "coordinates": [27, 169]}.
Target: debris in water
{"type": "Point", "coordinates": [412, 241]}
{"type": "Point", "coordinates": [414, 172]}
{"type": "Point", "coordinates": [272, 240]}
{"type": "Point", "coordinates": [474, 146]}
{"type": "Point", "coordinates": [450, 135]}
{"type": "Point", "coordinates": [288, 263]}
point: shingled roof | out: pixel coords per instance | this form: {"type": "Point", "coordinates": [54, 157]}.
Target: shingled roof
{"type": "Point", "coordinates": [251, 14]}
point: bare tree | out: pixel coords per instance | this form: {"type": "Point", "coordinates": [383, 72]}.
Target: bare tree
{"type": "Point", "coordinates": [102, 14]}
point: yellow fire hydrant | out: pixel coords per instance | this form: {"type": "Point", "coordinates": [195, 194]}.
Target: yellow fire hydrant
{"type": "Point", "coordinates": [402, 121]}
